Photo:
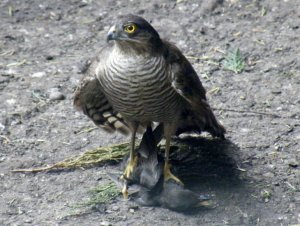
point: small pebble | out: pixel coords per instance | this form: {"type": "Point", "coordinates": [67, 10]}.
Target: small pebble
{"type": "Point", "coordinates": [105, 223]}
{"type": "Point", "coordinates": [276, 91]}
{"type": "Point", "coordinates": [2, 127]}
{"type": "Point", "coordinates": [108, 211]}
{"type": "Point", "coordinates": [123, 218]}
{"type": "Point", "coordinates": [38, 74]}
{"type": "Point", "coordinates": [134, 207]}
{"type": "Point", "coordinates": [10, 72]}
{"type": "Point", "coordinates": [100, 208]}
{"type": "Point", "coordinates": [54, 94]}
{"type": "Point", "coordinates": [293, 163]}
{"type": "Point", "coordinates": [52, 54]}
{"type": "Point", "coordinates": [269, 175]}
{"type": "Point", "coordinates": [29, 220]}
{"type": "Point", "coordinates": [115, 208]}
{"type": "Point", "coordinates": [11, 101]}
{"type": "Point", "coordinates": [209, 6]}
{"type": "Point", "coordinates": [20, 211]}
{"type": "Point", "coordinates": [131, 210]}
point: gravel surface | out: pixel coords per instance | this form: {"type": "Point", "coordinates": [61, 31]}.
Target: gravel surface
{"type": "Point", "coordinates": [254, 176]}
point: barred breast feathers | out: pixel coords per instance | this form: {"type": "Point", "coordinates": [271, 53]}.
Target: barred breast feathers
{"type": "Point", "coordinates": [139, 86]}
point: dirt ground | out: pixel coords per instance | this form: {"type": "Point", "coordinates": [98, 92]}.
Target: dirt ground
{"type": "Point", "coordinates": [254, 176]}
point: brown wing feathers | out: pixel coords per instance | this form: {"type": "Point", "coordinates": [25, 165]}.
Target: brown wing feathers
{"type": "Point", "coordinates": [198, 115]}
{"type": "Point", "coordinates": [90, 99]}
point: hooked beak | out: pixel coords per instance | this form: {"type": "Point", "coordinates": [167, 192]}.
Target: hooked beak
{"type": "Point", "coordinates": [112, 34]}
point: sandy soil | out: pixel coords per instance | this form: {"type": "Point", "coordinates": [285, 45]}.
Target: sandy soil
{"type": "Point", "coordinates": [43, 45]}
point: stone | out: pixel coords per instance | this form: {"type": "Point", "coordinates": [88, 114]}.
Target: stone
{"type": "Point", "coordinates": [55, 94]}
{"type": "Point", "coordinates": [105, 223]}
{"type": "Point", "coordinates": [38, 74]}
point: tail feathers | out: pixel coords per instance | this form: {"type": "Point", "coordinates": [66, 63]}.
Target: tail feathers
{"type": "Point", "coordinates": [108, 120]}
{"type": "Point", "coordinates": [215, 129]}
{"type": "Point", "coordinates": [199, 119]}
{"type": "Point", "coordinates": [212, 125]}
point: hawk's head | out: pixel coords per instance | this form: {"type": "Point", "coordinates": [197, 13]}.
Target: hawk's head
{"type": "Point", "coordinates": [131, 29]}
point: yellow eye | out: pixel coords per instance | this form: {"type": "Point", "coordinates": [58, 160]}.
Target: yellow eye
{"type": "Point", "coordinates": [130, 28]}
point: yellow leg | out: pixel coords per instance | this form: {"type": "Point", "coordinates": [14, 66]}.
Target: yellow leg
{"type": "Point", "coordinates": [167, 172]}
{"type": "Point", "coordinates": [132, 161]}
{"type": "Point", "coordinates": [125, 190]}
{"type": "Point", "coordinates": [130, 167]}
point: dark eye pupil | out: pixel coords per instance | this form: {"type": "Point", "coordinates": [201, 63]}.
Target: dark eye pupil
{"type": "Point", "coordinates": [130, 28]}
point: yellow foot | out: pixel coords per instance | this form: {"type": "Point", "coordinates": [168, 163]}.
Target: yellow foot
{"type": "Point", "coordinates": [129, 168]}
{"type": "Point", "coordinates": [169, 176]}
{"type": "Point", "coordinates": [127, 173]}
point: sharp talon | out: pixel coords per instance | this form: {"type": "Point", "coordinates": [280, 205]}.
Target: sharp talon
{"type": "Point", "coordinates": [125, 187]}
{"type": "Point", "coordinates": [169, 176]}
{"type": "Point", "coordinates": [125, 191]}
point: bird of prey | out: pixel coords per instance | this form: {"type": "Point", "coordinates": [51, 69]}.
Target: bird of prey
{"type": "Point", "coordinates": [139, 78]}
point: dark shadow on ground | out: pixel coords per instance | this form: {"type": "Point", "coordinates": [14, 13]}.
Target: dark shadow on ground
{"type": "Point", "coordinates": [204, 161]}
{"type": "Point", "coordinates": [210, 166]}
{"type": "Point", "coordinates": [206, 166]}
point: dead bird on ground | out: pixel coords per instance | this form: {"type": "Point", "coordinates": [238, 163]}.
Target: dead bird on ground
{"type": "Point", "coordinates": [153, 189]}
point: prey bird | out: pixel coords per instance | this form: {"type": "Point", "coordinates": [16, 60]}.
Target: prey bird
{"type": "Point", "coordinates": [147, 179]}
{"type": "Point", "coordinates": [139, 78]}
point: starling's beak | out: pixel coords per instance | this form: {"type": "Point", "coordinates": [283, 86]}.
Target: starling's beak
{"type": "Point", "coordinates": [112, 34]}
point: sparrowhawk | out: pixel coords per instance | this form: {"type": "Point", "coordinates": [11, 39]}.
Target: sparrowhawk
{"type": "Point", "coordinates": [139, 78]}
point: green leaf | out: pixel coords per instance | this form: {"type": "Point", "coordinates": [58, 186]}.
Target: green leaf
{"type": "Point", "coordinates": [234, 61]}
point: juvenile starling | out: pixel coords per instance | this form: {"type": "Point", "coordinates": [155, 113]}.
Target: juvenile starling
{"type": "Point", "coordinates": [141, 79]}
{"type": "Point", "coordinates": [147, 179]}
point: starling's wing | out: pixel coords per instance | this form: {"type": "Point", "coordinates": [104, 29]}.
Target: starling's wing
{"type": "Point", "coordinates": [198, 114]}
{"type": "Point", "coordinates": [178, 198]}
{"type": "Point", "coordinates": [151, 168]}
{"type": "Point", "coordinates": [90, 99]}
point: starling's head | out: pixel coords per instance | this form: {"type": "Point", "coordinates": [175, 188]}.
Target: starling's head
{"type": "Point", "coordinates": [133, 29]}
